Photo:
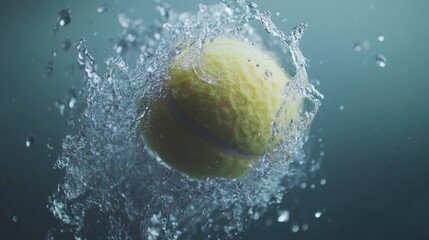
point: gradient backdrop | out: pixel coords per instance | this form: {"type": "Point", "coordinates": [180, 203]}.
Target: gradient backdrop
{"type": "Point", "coordinates": [376, 148]}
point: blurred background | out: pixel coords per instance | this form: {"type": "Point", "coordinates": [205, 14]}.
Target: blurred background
{"type": "Point", "coordinates": [369, 57]}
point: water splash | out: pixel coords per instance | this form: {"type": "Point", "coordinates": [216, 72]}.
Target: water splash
{"type": "Point", "coordinates": [111, 177]}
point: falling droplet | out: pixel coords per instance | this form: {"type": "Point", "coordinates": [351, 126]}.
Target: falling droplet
{"type": "Point", "coordinates": [380, 60]}
{"type": "Point", "coordinates": [102, 8]}
{"type": "Point", "coordinates": [15, 219]}
{"type": "Point", "coordinates": [366, 45]}
{"type": "Point", "coordinates": [283, 216]}
{"type": "Point", "coordinates": [29, 140]}
{"type": "Point", "coordinates": [341, 107]}
{"type": "Point", "coordinates": [322, 181]}
{"type": "Point", "coordinates": [268, 74]}
{"type": "Point", "coordinates": [318, 214]}
{"type": "Point", "coordinates": [357, 47]}
{"type": "Point", "coordinates": [64, 17]}
{"type": "Point", "coordinates": [380, 37]}
{"type": "Point", "coordinates": [49, 69]}
{"type": "Point", "coordinates": [72, 98]}
{"type": "Point", "coordinates": [61, 107]}
{"type": "Point", "coordinates": [66, 44]}
{"type": "Point", "coordinates": [54, 53]}
{"type": "Point", "coordinates": [295, 228]}
{"type": "Point", "coordinates": [49, 144]}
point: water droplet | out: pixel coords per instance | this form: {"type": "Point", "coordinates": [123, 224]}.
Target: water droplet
{"type": "Point", "coordinates": [49, 69]}
{"type": "Point", "coordinates": [284, 20]}
{"type": "Point", "coordinates": [357, 47]}
{"type": "Point", "coordinates": [257, 65]}
{"type": "Point", "coordinates": [341, 107]}
{"type": "Point", "coordinates": [278, 13]}
{"type": "Point", "coordinates": [54, 53]}
{"type": "Point", "coordinates": [283, 216]}
{"type": "Point", "coordinates": [312, 186]}
{"type": "Point", "coordinates": [322, 181]}
{"type": "Point", "coordinates": [253, 5]}
{"type": "Point", "coordinates": [295, 228]}
{"type": "Point", "coordinates": [123, 20]}
{"type": "Point", "coordinates": [61, 107]}
{"type": "Point", "coordinates": [305, 227]}
{"type": "Point", "coordinates": [268, 74]}
{"type": "Point", "coordinates": [380, 60]}
{"type": "Point", "coordinates": [64, 17]}
{"type": "Point", "coordinates": [15, 219]}
{"type": "Point", "coordinates": [66, 44]}
{"type": "Point", "coordinates": [303, 185]}
{"type": "Point", "coordinates": [49, 144]}
{"type": "Point", "coordinates": [380, 37]}
{"type": "Point", "coordinates": [318, 214]}
{"type": "Point", "coordinates": [102, 8]}
{"type": "Point", "coordinates": [29, 140]}
{"type": "Point", "coordinates": [72, 98]}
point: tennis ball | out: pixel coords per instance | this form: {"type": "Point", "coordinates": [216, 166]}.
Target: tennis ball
{"type": "Point", "coordinates": [215, 118]}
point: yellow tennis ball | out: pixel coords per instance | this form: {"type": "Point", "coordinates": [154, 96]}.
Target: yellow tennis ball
{"type": "Point", "coordinates": [216, 115]}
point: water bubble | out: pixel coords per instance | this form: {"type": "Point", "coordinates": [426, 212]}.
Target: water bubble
{"type": "Point", "coordinates": [102, 8]}
{"type": "Point", "coordinates": [318, 214]}
{"type": "Point", "coordinates": [72, 98]}
{"type": "Point", "coordinates": [66, 44]}
{"type": "Point", "coordinates": [366, 45]}
{"type": "Point", "coordinates": [29, 140]}
{"type": "Point", "coordinates": [123, 20]}
{"type": "Point", "coordinates": [60, 106]}
{"type": "Point", "coordinates": [283, 216]}
{"type": "Point", "coordinates": [341, 107]}
{"type": "Point", "coordinates": [277, 13]}
{"type": "Point", "coordinates": [322, 181]}
{"type": "Point", "coordinates": [304, 227]}
{"type": "Point", "coordinates": [15, 219]}
{"type": "Point", "coordinates": [64, 17]}
{"type": "Point", "coordinates": [295, 228]}
{"type": "Point", "coordinates": [380, 37]}
{"type": "Point", "coordinates": [357, 47]}
{"type": "Point", "coordinates": [380, 60]}
{"type": "Point", "coordinates": [49, 144]}
{"type": "Point", "coordinates": [49, 69]}
{"type": "Point", "coordinates": [268, 74]}
{"type": "Point", "coordinates": [303, 185]}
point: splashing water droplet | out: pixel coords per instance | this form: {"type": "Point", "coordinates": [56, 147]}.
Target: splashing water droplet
{"type": "Point", "coordinates": [29, 140]}
{"type": "Point", "coordinates": [295, 228]}
{"type": "Point", "coordinates": [60, 106]}
{"type": "Point", "coordinates": [64, 17]}
{"type": "Point", "coordinates": [66, 44]}
{"type": "Point", "coordinates": [50, 145]}
{"type": "Point", "coordinates": [283, 216]}
{"type": "Point", "coordinates": [54, 53]}
{"type": "Point", "coordinates": [102, 8]}
{"type": "Point", "coordinates": [380, 60]}
{"type": "Point", "coordinates": [380, 37]}
{"type": "Point", "coordinates": [72, 98]}
{"type": "Point", "coordinates": [357, 47]}
{"type": "Point", "coordinates": [318, 214]}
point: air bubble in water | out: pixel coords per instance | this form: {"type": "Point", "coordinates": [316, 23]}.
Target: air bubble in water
{"type": "Point", "coordinates": [64, 17]}
{"type": "Point", "coordinates": [66, 44]}
{"type": "Point", "coordinates": [29, 140]}
{"type": "Point", "coordinates": [49, 69]}
{"type": "Point", "coordinates": [60, 106]}
{"type": "Point", "coordinates": [295, 228]}
{"type": "Point", "coordinates": [283, 216]}
{"type": "Point", "coordinates": [380, 37]}
{"type": "Point", "coordinates": [102, 8]}
{"type": "Point", "coordinates": [322, 181]}
{"type": "Point", "coordinates": [318, 214]}
{"type": "Point", "coordinates": [357, 47]}
{"type": "Point", "coordinates": [72, 98]}
{"type": "Point", "coordinates": [380, 60]}
{"type": "Point", "coordinates": [49, 145]}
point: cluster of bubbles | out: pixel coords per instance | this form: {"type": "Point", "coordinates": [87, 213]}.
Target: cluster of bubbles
{"type": "Point", "coordinates": [113, 188]}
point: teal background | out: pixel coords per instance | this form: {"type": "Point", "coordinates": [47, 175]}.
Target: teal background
{"type": "Point", "coordinates": [376, 149]}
